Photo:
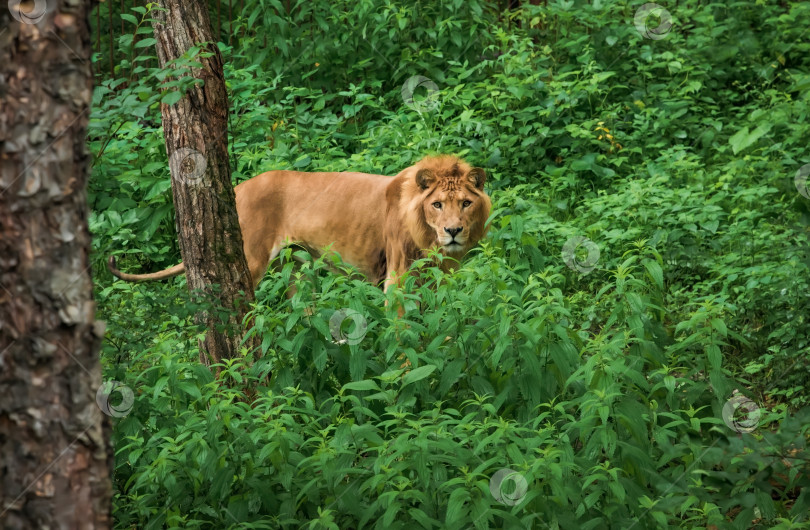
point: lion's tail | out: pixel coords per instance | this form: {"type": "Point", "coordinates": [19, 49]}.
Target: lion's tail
{"type": "Point", "coordinates": [162, 275]}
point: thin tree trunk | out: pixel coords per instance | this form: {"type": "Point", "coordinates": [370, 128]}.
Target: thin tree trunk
{"type": "Point", "coordinates": [54, 458]}
{"type": "Point", "coordinates": [196, 131]}
{"type": "Point", "coordinates": [112, 43]}
{"type": "Point", "coordinates": [98, 28]}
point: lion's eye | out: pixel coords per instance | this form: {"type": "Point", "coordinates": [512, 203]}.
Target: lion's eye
{"type": "Point", "coordinates": [465, 204]}
{"type": "Point", "coordinates": [437, 205]}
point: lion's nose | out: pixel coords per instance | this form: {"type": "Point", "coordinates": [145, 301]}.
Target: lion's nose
{"type": "Point", "coordinates": [452, 231]}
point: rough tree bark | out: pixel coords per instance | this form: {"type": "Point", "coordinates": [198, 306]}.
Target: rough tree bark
{"type": "Point", "coordinates": [197, 144]}
{"type": "Point", "coordinates": [54, 460]}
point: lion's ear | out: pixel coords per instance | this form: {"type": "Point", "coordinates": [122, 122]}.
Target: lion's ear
{"type": "Point", "coordinates": [425, 178]}
{"type": "Point", "coordinates": [478, 177]}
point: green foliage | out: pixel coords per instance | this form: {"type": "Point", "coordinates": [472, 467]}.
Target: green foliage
{"type": "Point", "coordinates": [605, 389]}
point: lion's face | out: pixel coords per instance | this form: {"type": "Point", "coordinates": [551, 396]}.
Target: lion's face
{"type": "Point", "coordinates": [455, 207]}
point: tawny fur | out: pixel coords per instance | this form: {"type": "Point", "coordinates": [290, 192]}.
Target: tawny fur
{"type": "Point", "coordinates": [378, 224]}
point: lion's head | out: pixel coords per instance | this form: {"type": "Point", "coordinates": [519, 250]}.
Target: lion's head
{"type": "Point", "coordinates": [446, 206]}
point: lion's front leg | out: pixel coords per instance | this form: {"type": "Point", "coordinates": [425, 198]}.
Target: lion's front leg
{"type": "Point", "coordinates": [396, 265]}
{"type": "Point", "coordinates": [395, 268]}
{"type": "Point", "coordinates": [393, 277]}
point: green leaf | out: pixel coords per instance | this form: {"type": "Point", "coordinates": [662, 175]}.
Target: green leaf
{"type": "Point", "coordinates": [743, 138]}
{"type": "Point", "coordinates": [319, 356]}
{"type": "Point", "coordinates": [655, 272]}
{"type": "Point", "coordinates": [765, 504]}
{"type": "Point", "coordinates": [322, 326]}
{"type": "Point", "coordinates": [366, 384]}
{"type": "Point", "coordinates": [802, 504]}
{"type": "Point", "coordinates": [171, 97]}
{"type": "Point", "coordinates": [145, 43]}
{"type": "Point", "coordinates": [738, 140]}
{"type": "Point", "coordinates": [669, 383]}
{"type": "Point", "coordinates": [190, 388]}
{"type": "Point", "coordinates": [711, 226]}
{"type": "Point", "coordinates": [450, 374]}
{"type": "Point", "coordinates": [302, 162]}
{"type": "Point", "coordinates": [358, 363]}
{"type": "Point", "coordinates": [714, 355]}
{"type": "Point", "coordinates": [134, 455]}
{"type": "Point", "coordinates": [129, 18]}
{"type": "Point", "coordinates": [455, 505]}
{"type": "Point", "coordinates": [418, 374]}
{"type": "Point", "coordinates": [720, 327]}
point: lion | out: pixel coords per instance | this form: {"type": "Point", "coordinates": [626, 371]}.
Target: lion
{"type": "Point", "coordinates": [378, 224]}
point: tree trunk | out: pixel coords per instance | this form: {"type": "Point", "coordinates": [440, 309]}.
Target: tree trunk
{"type": "Point", "coordinates": [196, 130]}
{"type": "Point", "coordinates": [54, 458]}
